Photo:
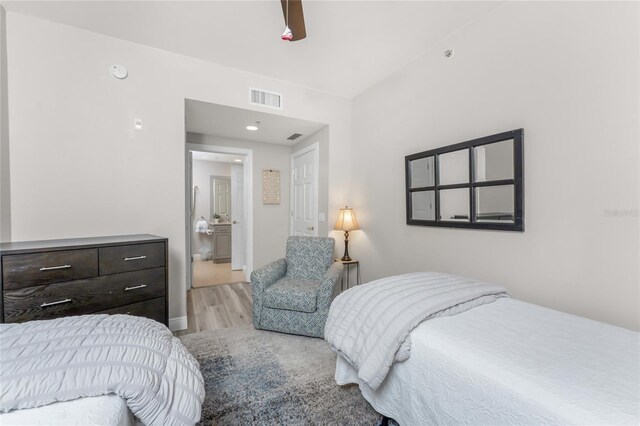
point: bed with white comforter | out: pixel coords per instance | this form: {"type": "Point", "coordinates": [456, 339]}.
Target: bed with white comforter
{"type": "Point", "coordinates": [136, 359]}
{"type": "Point", "coordinates": [509, 362]}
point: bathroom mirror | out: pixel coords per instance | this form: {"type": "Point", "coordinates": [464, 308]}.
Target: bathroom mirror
{"type": "Point", "coordinates": [475, 184]}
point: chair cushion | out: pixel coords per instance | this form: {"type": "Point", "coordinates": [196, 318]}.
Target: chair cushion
{"type": "Point", "coordinates": [293, 294]}
{"type": "Point", "coordinates": [309, 257]}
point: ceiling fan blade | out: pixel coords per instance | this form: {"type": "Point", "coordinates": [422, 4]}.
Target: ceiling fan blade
{"type": "Point", "coordinates": [296, 18]}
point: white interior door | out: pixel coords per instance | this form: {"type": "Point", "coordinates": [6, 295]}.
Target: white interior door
{"type": "Point", "coordinates": [304, 192]}
{"type": "Point", "coordinates": [238, 247]}
{"type": "Point", "coordinates": [221, 205]}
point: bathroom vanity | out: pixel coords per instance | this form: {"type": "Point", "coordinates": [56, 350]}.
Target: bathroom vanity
{"type": "Point", "coordinates": [221, 243]}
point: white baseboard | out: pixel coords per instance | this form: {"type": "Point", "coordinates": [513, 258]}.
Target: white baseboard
{"type": "Point", "coordinates": [178, 323]}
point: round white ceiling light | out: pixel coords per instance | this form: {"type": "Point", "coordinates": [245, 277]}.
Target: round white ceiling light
{"type": "Point", "coordinates": [253, 127]}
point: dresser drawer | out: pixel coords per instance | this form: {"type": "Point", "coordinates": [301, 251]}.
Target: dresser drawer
{"type": "Point", "coordinates": [154, 309]}
{"type": "Point", "coordinates": [25, 270]}
{"type": "Point", "coordinates": [131, 257]}
{"type": "Point", "coordinates": [136, 286]}
{"type": "Point", "coordinates": [82, 296]}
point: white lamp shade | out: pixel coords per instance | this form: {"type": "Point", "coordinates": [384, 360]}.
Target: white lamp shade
{"type": "Point", "coordinates": [346, 220]}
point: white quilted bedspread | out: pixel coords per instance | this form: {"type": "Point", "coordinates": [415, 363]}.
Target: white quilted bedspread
{"type": "Point", "coordinates": [369, 324]}
{"type": "Point", "coordinates": [136, 358]}
{"type": "Point", "coordinates": [511, 363]}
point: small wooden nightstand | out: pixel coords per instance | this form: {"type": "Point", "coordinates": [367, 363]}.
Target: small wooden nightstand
{"type": "Point", "coordinates": [348, 264]}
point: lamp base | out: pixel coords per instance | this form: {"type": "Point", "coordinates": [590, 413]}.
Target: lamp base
{"type": "Point", "coordinates": [346, 257]}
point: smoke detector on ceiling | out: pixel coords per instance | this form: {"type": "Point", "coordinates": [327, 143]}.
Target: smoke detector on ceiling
{"type": "Point", "coordinates": [119, 71]}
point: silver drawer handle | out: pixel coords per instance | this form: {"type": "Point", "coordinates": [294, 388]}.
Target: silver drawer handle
{"type": "Point", "coordinates": [135, 287]}
{"type": "Point", "coordinates": [53, 268]}
{"type": "Point", "coordinates": [59, 302]}
{"type": "Point", "coordinates": [126, 259]}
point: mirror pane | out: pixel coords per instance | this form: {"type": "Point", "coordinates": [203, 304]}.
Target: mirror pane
{"type": "Point", "coordinates": [454, 205]}
{"type": "Point", "coordinates": [453, 167]}
{"type": "Point", "coordinates": [494, 161]}
{"type": "Point", "coordinates": [423, 205]}
{"type": "Point", "coordinates": [422, 172]}
{"type": "Point", "coordinates": [495, 204]}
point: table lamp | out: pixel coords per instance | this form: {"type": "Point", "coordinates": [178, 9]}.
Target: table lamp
{"type": "Point", "coordinates": [346, 222]}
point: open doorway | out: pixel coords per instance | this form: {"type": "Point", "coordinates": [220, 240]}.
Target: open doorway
{"type": "Point", "coordinates": [219, 215]}
{"type": "Point", "coordinates": [218, 290]}
{"type": "Point", "coordinates": [218, 242]}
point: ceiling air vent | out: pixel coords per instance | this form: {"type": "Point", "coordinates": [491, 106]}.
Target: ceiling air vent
{"type": "Point", "coordinates": [268, 99]}
{"type": "Point", "coordinates": [294, 136]}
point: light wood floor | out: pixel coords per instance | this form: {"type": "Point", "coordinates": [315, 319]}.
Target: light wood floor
{"type": "Point", "coordinates": [207, 273]}
{"type": "Point", "coordinates": [219, 306]}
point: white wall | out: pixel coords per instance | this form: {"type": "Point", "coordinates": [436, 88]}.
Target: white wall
{"type": "Point", "coordinates": [5, 175]}
{"type": "Point", "coordinates": [270, 222]}
{"type": "Point", "coordinates": [202, 170]}
{"type": "Point", "coordinates": [568, 74]}
{"type": "Point", "coordinates": [77, 166]}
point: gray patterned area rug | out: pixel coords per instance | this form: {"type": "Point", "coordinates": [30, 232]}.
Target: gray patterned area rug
{"type": "Point", "coordinates": [255, 377]}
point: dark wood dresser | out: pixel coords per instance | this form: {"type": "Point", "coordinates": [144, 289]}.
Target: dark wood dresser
{"type": "Point", "coordinates": [107, 275]}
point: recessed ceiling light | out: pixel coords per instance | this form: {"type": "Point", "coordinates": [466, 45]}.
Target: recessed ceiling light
{"type": "Point", "coordinates": [237, 160]}
{"type": "Point", "coordinates": [253, 127]}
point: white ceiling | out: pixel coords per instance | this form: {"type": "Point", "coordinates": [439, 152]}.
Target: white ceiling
{"type": "Point", "coordinates": [228, 122]}
{"type": "Point", "coordinates": [350, 45]}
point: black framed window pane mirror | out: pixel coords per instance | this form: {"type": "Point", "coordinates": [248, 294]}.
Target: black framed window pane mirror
{"type": "Point", "coordinates": [493, 161]}
{"type": "Point", "coordinates": [495, 204]}
{"type": "Point", "coordinates": [423, 204]}
{"type": "Point", "coordinates": [454, 205]}
{"type": "Point", "coordinates": [422, 172]}
{"type": "Point", "coordinates": [453, 167]}
{"type": "Point", "coordinates": [474, 184]}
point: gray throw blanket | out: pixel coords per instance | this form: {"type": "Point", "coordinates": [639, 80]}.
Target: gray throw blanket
{"type": "Point", "coordinates": [135, 358]}
{"type": "Point", "coordinates": [369, 325]}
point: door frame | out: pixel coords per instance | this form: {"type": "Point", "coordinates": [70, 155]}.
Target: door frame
{"type": "Point", "coordinates": [248, 203]}
{"type": "Point", "coordinates": [236, 225]}
{"type": "Point", "coordinates": [315, 147]}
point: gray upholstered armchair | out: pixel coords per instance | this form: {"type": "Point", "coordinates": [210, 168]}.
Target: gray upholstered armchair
{"type": "Point", "coordinates": [293, 295]}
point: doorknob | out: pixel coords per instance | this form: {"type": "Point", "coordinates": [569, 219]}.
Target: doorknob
{"type": "Point", "coordinates": [310, 228]}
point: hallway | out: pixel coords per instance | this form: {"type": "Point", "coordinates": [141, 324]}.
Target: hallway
{"type": "Point", "coordinates": [206, 273]}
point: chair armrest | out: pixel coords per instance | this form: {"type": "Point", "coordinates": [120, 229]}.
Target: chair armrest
{"type": "Point", "coordinates": [262, 278]}
{"type": "Point", "coordinates": [330, 285]}
{"type": "Point", "coordinates": [268, 274]}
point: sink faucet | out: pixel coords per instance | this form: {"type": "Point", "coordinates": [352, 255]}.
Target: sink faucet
{"type": "Point", "coordinates": [228, 218]}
